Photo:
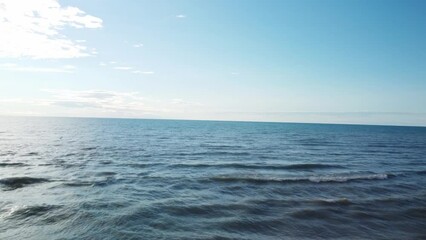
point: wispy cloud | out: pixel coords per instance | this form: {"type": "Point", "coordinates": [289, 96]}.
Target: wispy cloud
{"type": "Point", "coordinates": [138, 45]}
{"type": "Point", "coordinates": [33, 29]}
{"type": "Point", "coordinates": [127, 103]}
{"type": "Point", "coordinates": [123, 68]}
{"type": "Point", "coordinates": [143, 72]}
{"type": "Point", "coordinates": [180, 16]}
{"type": "Point", "coordinates": [18, 68]}
{"type": "Point", "coordinates": [102, 103]}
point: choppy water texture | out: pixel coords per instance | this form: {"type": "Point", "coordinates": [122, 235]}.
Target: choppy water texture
{"type": "Point", "coordinates": [63, 178]}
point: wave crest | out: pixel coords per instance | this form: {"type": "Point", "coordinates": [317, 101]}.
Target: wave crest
{"type": "Point", "coordinates": [312, 179]}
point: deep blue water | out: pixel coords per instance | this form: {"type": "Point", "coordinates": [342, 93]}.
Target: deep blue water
{"type": "Point", "coordinates": [69, 178]}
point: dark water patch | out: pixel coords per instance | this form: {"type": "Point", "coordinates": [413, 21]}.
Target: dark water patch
{"type": "Point", "coordinates": [311, 166]}
{"type": "Point", "coordinates": [268, 157]}
{"type": "Point", "coordinates": [416, 212]}
{"type": "Point", "coordinates": [365, 215]}
{"type": "Point", "coordinates": [312, 142]}
{"type": "Point", "coordinates": [221, 146]}
{"type": "Point", "coordinates": [314, 179]}
{"type": "Point", "coordinates": [7, 153]}
{"type": "Point", "coordinates": [311, 214]}
{"type": "Point", "coordinates": [106, 162]}
{"type": "Point", "coordinates": [106, 173]}
{"type": "Point", "coordinates": [143, 165]}
{"type": "Point", "coordinates": [19, 182]}
{"type": "Point", "coordinates": [301, 167]}
{"type": "Point", "coordinates": [205, 210]}
{"type": "Point", "coordinates": [12, 164]}
{"type": "Point", "coordinates": [31, 154]}
{"type": "Point", "coordinates": [421, 172]}
{"type": "Point", "coordinates": [249, 225]}
{"type": "Point", "coordinates": [89, 148]}
{"type": "Point", "coordinates": [212, 153]}
{"type": "Point", "coordinates": [46, 164]}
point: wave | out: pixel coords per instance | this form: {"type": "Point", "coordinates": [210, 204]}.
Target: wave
{"type": "Point", "coordinates": [311, 179]}
{"type": "Point", "coordinates": [96, 183]}
{"type": "Point", "coordinates": [19, 182]}
{"type": "Point", "coordinates": [30, 211]}
{"type": "Point", "coordinates": [212, 153]}
{"type": "Point", "coordinates": [12, 164]}
{"type": "Point", "coordinates": [421, 172]}
{"type": "Point", "coordinates": [304, 166]}
{"type": "Point", "coordinates": [338, 201]}
{"type": "Point", "coordinates": [79, 184]}
{"type": "Point", "coordinates": [221, 146]}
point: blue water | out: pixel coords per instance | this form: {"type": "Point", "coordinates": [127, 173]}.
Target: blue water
{"type": "Point", "coordinates": [70, 178]}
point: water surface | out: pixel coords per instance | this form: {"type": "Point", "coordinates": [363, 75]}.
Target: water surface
{"type": "Point", "coordinates": [70, 178]}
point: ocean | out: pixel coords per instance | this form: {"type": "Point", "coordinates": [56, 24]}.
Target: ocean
{"type": "Point", "coordinates": [82, 178]}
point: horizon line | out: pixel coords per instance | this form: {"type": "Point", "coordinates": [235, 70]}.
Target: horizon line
{"type": "Point", "coordinates": [217, 120]}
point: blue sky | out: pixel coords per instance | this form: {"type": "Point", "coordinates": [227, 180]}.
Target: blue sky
{"type": "Point", "coordinates": [299, 61]}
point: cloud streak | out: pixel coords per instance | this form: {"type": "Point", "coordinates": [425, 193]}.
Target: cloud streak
{"type": "Point", "coordinates": [33, 29]}
{"type": "Point", "coordinates": [138, 45]}
{"type": "Point", "coordinates": [123, 68]}
{"type": "Point", "coordinates": [123, 104]}
{"type": "Point", "coordinates": [17, 68]}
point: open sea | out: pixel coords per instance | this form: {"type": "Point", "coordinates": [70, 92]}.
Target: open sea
{"type": "Point", "coordinates": [75, 178]}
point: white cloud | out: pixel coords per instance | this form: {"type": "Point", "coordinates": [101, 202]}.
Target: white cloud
{"type": "Point", "coordinates": [137, 45]}
{"type": "Point", "coordinates": [71, 67]}
{"type": "Point", "coordinates": [102, 64]}
{"type": "Point", "coordinates": [128, 103]}
{"type": "Point", "coordinates": [181, 16]}
{"type": "Point", "coordinates": [143, 72]}
{"type": "Point", "coordinates": [8, 65]}
{"type": "Point", "coordinates": [123, 68]}
{"type": "Point", "coordinates": [16, 68]}
{"type": "Point", "coordinates": [33, 29]}
{"type": "Point", "coordinates": [100, 103]}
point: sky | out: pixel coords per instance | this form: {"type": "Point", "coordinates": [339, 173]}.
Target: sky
{"type": "Point", "coordinates": [353, 61]}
